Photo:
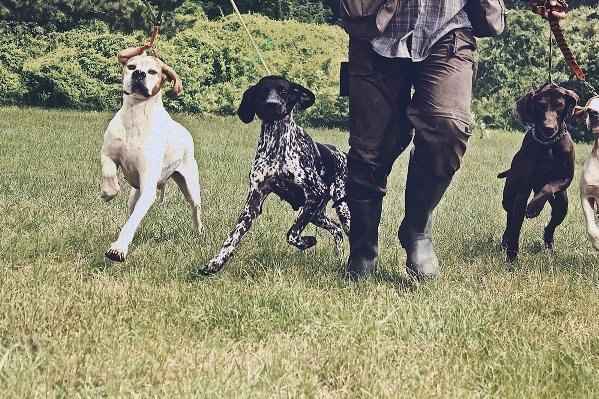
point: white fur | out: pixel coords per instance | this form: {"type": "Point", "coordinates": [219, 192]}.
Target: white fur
{"type": "Point", "coordinates": [149, 147]}
{"type": "Point", "coordinates": [589, 178]}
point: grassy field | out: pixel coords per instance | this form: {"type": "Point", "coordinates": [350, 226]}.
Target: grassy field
{"type": "Point", "coordinates": [276, 322]}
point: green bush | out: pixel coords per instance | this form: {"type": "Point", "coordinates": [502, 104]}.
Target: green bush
{"type": "Point", "coordinates": [512, 62]}
{"type": "Point", "coordinates": [215, 59]}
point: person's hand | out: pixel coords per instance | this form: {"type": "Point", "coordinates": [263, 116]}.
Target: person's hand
{"type": "Point", "coordinates": [556, 10]}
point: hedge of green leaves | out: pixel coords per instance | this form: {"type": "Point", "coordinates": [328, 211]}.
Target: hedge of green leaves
{"type": "Point", "coordinates": [512, 62]}
{"type": "Point", "coordinates": [216, 61]}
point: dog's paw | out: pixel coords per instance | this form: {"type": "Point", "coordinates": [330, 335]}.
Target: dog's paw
{"type": "Point", "coordinates": [511, 256]}
{"type": "Point", "coordinates": [306, 242]}
{"type": "Point", "coordinates": [107, 193]}
{"type": "Point", "coordinates": [549, 241]}
{"type": "Point", "coordinates": [210, 268]}
{"type": "Point", "coordinates": [531, 213]}
{"type": "Point", "coordinates": [534, 209]}
{"type": "Point", "coordinates": [116, 254]}
{"type": "Point", "coordinates": [504, 239]}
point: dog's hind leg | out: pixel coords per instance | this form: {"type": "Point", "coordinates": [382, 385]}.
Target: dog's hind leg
{"type": "Point", "coordinates": [338, 192]}
{"type": "Point", "coordinates": [252, 209]}
{"type": "Point", "coordinates": [304, 217]}
{"type": "Point", "coordinates": [341, 207]}
{"type": "Point", "coordinates": [559, 210]}
{"type": "Point", "coordinates": [322, 220]}
{"type": "Point", "coordinates": [188, 181]}
{"type": "Point", "coordinates": [588, 204]}
{"type": "Point", "coordinates": [161, 193]}
{"type": "Point", "coordinates": [344, 216]}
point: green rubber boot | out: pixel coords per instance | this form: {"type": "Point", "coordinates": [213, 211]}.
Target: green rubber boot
{"type": "Point", "coordinates": [423, 193]}
{"type": "Point", "coordinates": [363, 236]}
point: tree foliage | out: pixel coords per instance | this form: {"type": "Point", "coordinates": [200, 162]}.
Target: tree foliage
{"type": "Point", "coordinates": [120, 15]}
{"type": "Point", "coordinates": [77, 68]}
{"type": "Point", "coordinates": [512, 62]}
{"type": "Point", "coordinates": [130, 15]}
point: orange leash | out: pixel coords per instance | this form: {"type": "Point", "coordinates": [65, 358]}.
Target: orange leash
{"type": "Point", "coordinates": [563, 46]}
{"type": "Point", "coordinates": [152, 39]}
{"type": "Point", "coordinates": [157, 22]}
{"type": "Point", "coordinates": [544, 6]}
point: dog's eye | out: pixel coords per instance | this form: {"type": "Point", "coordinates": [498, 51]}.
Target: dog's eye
{"type": "Point", "coordinates": [152, 72]}
{"type": "Point", "coordinates": [283, 91]}
{"type": "Point", "coordinates": [541, 106]}
{"type": "Point", "coordinates": [131, 67]}
{"type": "Point", "coordinates": [592, 112]}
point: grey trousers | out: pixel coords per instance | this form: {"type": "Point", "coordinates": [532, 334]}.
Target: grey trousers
{"type": "Point", "coordinates": [395, 100]}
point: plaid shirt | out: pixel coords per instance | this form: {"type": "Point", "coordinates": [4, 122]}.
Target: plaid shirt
{"type": "Point", "coordinates": [423, 22]}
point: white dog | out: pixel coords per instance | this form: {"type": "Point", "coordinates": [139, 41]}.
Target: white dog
{"type": "Point", "coordinates": [147, 144]}
{"type": "Point", "coordinates": [589, 176]}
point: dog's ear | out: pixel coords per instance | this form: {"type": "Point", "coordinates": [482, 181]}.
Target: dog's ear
{"type": "Point", "coordinates": [525, 109]}
{"type": "Point", "coordinates": [580, 114]}
{"type": "Point", "coordinates": [301, 95]}
{"type": "Point", "coordinates": [171, 75]}
{"type": "Point", "coordinates": [572, 100]}
{"type": "Point", "coordinates": [246, 110]}
{"type": "Point", "coordinates": [130, 52]}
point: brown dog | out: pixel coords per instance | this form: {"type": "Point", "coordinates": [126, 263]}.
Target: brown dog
{"type": "Point", "coordinates": [544, 164]}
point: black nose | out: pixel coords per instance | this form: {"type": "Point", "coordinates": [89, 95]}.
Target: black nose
{"type": "Point", "coordinates": [271, 105]}
{"type": "Point", "coordinates": [138, 75]}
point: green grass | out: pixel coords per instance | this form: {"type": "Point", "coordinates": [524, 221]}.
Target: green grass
{"type": "Point", "coordinates": [276, 322]}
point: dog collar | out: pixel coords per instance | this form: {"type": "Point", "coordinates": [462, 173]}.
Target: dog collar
{"type": "Point", "coordinates": [554, 139]}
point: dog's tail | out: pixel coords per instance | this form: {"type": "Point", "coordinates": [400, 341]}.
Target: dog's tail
{"type": "Point", "coordinates": [503, 174]}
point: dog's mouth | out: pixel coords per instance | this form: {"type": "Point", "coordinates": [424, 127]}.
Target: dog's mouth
{"type": "Point", "coordinates": [549, 132]}
{"type": "Point", "coordinates": [139, 89]}
{"type": "Point", "coordinates": [270, 112]}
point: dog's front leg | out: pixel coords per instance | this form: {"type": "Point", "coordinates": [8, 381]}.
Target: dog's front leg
{"type": "Point", "coordinates": [133, 198]}
{"type": "Point", "coordinates": [588, 207]}
{"type": "Point", "coordinates": [536, 204]}
{"type": "Point", "coordinates": [146, 196]}
{"type": "Point", "coordinates": [251, 210]}
{"type": "Point", "coordinates": [110, 184]}
{"type": "Point", "coordinates": [515, 221]}
{"type": "Point", "coordinates": [304, 217]}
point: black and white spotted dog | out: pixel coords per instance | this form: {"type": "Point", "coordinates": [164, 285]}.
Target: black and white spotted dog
{"type": "Point", "coordinates": [290, 164]}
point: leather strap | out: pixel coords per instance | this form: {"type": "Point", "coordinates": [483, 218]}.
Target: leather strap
{"type": "Point", "coordinates": [542, 7]}
{"type": "Point", "coordinates": [563, 46]}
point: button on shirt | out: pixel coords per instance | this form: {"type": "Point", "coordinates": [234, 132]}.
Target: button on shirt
{"type": "Point", "coordinates": [421, 23]}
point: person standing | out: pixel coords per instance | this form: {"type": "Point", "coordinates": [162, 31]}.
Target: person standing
{"type": "Point", "coordinates": [412, 82]}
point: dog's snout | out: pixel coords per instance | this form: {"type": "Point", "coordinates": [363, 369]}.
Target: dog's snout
{"type": "Point", "coordinates": [138, 75]}
{"type": "Point", "coordinates": [271, 104]}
